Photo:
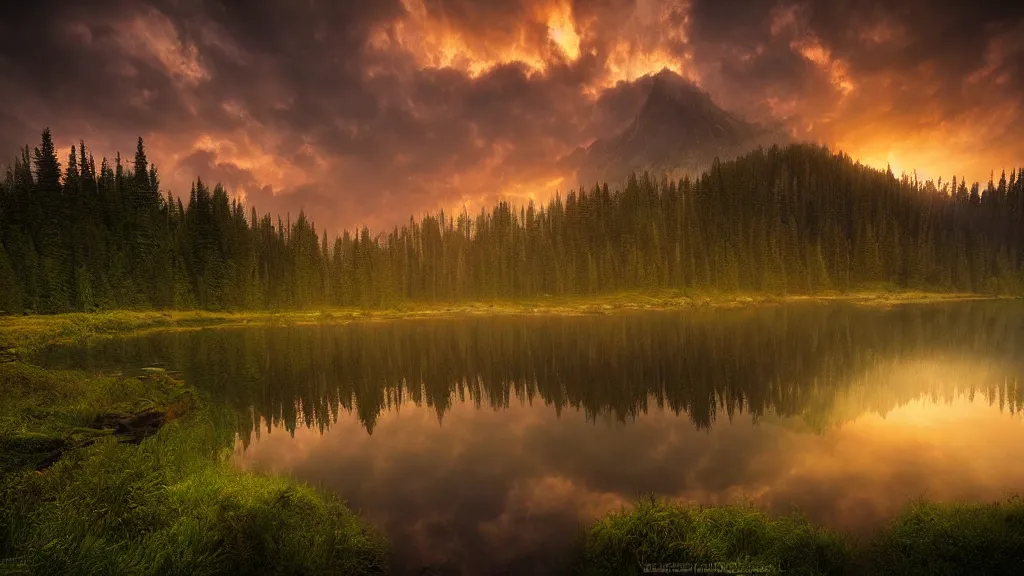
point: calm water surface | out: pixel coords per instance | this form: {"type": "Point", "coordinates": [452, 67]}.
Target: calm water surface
{"type": "Point", "coordinates": [485, 442]}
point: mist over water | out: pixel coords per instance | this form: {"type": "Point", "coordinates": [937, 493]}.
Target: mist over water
{"type": "Point", "coordinates": [485, 442]}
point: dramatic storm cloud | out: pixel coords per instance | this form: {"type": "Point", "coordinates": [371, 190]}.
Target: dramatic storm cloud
{"type": "Point", "coordinates": [367, 112]}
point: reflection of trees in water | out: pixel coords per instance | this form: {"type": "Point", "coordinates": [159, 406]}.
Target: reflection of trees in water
{"type": "Point", "coordinates": [789, 361]}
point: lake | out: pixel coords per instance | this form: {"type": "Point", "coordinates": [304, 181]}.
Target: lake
{"type": "Point", "coordinates": [486, 442]}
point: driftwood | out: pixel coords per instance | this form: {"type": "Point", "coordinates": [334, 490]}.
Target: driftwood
{"type": "Point", "coordinates": [131, 428]}
{"type": "Point", "coordinates": [127, 428]}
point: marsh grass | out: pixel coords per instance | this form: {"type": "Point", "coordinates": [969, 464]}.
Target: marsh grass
{"type": "Point", "coordinates": [20, 336]}
{"type": "Point", "coordinates": [161, 508]}
{"type": "Point", "coordinates": [661, 532]}
{"type": "Point", "coordinates": [930, 538]}
{"type": "Point", "coordinates": [172, 504]}
{"type": "Point", "coordinates": [927, 538]}
{"type": "Point", "coordinates": [45, 412]}
{"type": "Point", "coordinates": [64, 404]}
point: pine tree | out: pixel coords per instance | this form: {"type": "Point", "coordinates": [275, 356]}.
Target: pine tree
{"type": "Point", "coordinates": [54, 247]}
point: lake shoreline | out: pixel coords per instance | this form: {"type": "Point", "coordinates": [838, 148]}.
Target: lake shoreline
{"type": "Point", "coordinates": [23, 335]}
{"type": "Point", "coordinates": [108, 474]}
{"type": "Point", "coordinates": [185, 461]}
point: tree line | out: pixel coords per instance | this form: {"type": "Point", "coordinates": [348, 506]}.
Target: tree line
{"type": "Point", "coordinates": [799, 219]}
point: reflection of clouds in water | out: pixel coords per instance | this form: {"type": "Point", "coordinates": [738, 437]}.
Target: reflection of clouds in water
{"type": "Point", "coordinates": [857, 476]}
{"type": "Point", "coordinates": [517, 482]}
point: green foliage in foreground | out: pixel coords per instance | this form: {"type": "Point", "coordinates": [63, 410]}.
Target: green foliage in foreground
{"type": "Point", "coordinates": [926, 539]}
{"type": "Point", "coordinates": [936, 539]}
{"type": "Point", "coordinates": [660, 532]}
{"type": "Point", "coordinates": [63, 402]}
{"type": "Point", "coordinates": [45, 412]}
{"type": "Point", "coordinates": [170, 505]}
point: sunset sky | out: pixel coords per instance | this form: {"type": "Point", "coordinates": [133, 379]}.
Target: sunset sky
{"type": "Point", "coordinates": [365, 112]}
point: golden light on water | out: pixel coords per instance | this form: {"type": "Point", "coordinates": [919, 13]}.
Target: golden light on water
{"type": "Point", "coordinates": [901, 431]}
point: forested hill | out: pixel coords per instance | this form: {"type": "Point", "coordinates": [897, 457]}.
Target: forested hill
{"type": "Point", "coordinates": [791, 220]}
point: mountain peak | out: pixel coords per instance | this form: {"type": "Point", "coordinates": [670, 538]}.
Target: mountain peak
{"type": "Point", "coordinates": [678, 128]}
{"type": "Point", "coordinates": [673, 100]}
{"type": "Point", "coordinates": [668, 81]}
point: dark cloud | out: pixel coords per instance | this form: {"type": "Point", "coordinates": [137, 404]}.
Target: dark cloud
{"type": "Point", "coordinates": [78, 71]}
{"type": "Point", "coordinates": [366, 111]}
{"type": "Point", "coordinates": [721, 22]}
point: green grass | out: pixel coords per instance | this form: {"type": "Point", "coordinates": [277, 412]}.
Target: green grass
{"type": "Point", "coordinates": [40, 400]}
{"type": "Point", "coordinates": [170, 505]}
{"type": "Point", "coordinates": [44, 411]}
{"type": "Point", "coordinates": [662, 532]}
{"type": "Point", "coordinates": [26, 334]}
{"type": "Point", "coordinates": [926, 539]}
{"type": "Point", "coordinates": [159, 508]}
{"type": "Point", "coordinates": [22, 335]}
{"type": "Point", "coordinates": [949, 539]}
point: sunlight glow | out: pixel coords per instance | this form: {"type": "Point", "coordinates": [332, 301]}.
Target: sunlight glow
{"type": "Point", "coordinates": [626, 64]}
{"type": "Point", "coordinates": [433, 41]}
{"type": "Point", "coordinates": [880, 161]}
{"type": "Point", "coordinates": [562, 31]}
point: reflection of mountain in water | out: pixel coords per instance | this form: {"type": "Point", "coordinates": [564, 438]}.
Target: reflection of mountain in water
{"type": "Point", "coordinates": [788, 361]}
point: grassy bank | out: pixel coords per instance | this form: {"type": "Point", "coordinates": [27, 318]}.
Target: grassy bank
{"type": "Point", "coordinates": [171, 504]}
{"type": "Point", "coordinates": [926, 539]}
{"type": "Point", "coordinates": [930, 538]}
{"type": "Point", "coordinates": [20, 335]}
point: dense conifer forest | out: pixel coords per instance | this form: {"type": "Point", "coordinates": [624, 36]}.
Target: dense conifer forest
{"type": "Point", "coordinates": [799, 219]}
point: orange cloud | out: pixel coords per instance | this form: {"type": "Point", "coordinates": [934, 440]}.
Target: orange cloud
{"type": "Point", "coordinates": [150, 32]}
{"type": "Point", "coordinates": [562, 30]}
{"type": "Point", "coordinates": [551, 33]}
{"type": "Point", "coordinates": [626, 63]}
{"type": "Point", "coordinates": [436, 42]}
{"type": "Point", "coordinates": [812, 49]}
{"type": "Point", "coordinates": [927, 139]}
